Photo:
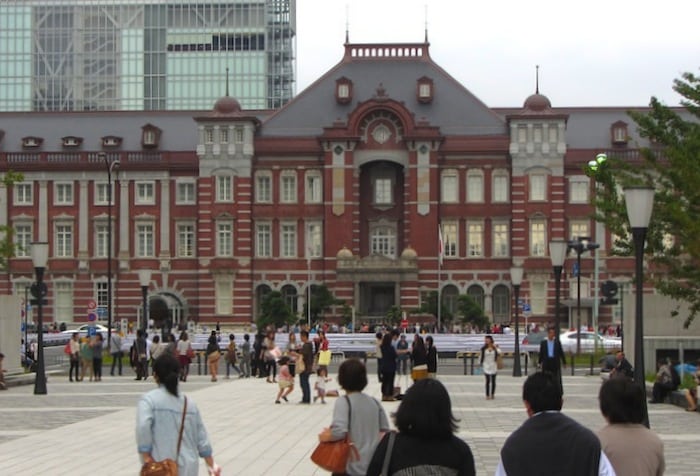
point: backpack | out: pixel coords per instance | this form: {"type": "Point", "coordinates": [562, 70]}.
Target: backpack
{"type": "Point", "coordinates": [66, 348]}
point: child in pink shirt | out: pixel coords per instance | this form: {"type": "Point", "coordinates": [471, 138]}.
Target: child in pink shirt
{"type": "Point", "coordinates": [285, 380]}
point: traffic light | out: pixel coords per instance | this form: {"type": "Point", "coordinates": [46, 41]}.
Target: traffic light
{"type": "Point", "coordinates": [609, 291]}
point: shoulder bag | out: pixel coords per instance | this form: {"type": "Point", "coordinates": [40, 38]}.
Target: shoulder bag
{"type": "Point", "coordinates": [167, 467]}
{"type": "Point", "coordinates": [387, 454]}
{"type": "Point", "coordinates": [499, 360]}
{"type": "Point", "coordinates": [333, 456]}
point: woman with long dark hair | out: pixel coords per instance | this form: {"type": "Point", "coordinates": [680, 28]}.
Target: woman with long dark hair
{"type": "Point", "coordinates": [388, 368]}
{"type": "Point", "coordinates": [489, 359]}
{"type": "Point", "coordinates": [431, 356]}
{"type": "Point", "coordinates": [419, 359]}
{"type": "Point", "coordinates": [425, 442]}
{"type": "Point", "coordinates": [158, 420]}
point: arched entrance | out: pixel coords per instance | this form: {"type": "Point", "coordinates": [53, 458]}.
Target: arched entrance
{"type": "Point", "coordinates": [167, 311]}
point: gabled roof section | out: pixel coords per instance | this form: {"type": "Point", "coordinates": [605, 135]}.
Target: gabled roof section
{"type": "Point", "coordinates": [396, 68]}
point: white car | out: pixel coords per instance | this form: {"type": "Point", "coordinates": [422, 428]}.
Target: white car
{"type": "Point", "coordinates": [588, 341]}
{"type": "Point", "coordinates": [84, 329]}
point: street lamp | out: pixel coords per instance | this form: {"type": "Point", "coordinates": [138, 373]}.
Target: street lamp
{"type": "Point", "coordinates": [639, 202]}
{"type": "Point", "coordinates": [580, 245]}
{"type": "Point", "coordinates": [27, 307]}
{"type": "Point", "coordinates": [557, 253]}
{"type": "Point", "coordinates": [144, 281]}
{"type": "Point", "coordinates": [516, 277]}
{"type": "Point", "coordinates": [40, 255]}
{"type": "Point", "coordinates": [110, 164]}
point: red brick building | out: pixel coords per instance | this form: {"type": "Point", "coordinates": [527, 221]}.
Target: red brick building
{"type": "Point", "coordinates": [347, 186]}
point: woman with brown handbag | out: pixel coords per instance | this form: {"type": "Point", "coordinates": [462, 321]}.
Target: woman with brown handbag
{"type": "Point", "coordinates": [213, 355]}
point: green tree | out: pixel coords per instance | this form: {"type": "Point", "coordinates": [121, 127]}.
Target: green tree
{"type": "Point", "coordinates": [8, 248]}
{"type": "Point", "coordinates": [393, 315]}
{"type": "Point", "coordinates": [471, 312]}
{"type": "Point", "coordinates": [274, 311]}
{"type": "Point", "coordinates": [672, 166]}
{"type": "Point", "coordinates": [429, 306]}
{"type": "Point", "coordinates": [321, 301]}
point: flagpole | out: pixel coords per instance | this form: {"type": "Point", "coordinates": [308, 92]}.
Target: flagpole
{"type": "Point", "coordinates": [441, 252]}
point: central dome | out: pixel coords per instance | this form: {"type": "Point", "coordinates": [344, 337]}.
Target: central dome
{"type": "Point", "coordinates": [537, 102]}
{"type": "Point", "coordinates": [227, 105]}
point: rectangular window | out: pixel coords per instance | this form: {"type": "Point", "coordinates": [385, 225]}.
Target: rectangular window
{"type": "Point", "coordinates": [101, 237]}
{"type": "Point", "coordinates": [578, 228]}
{"type": "Point", "coordinates": [288, 242]}
{"type": "Point", "coordinates": [224, 295]}
{"type": "Point", "coordinates": [223, 134]}
{"type": "Point", "coordinates": [185, 240]}
{"type": "Point", "coordinates": [522, 134]}
{"type": "Point", "coordinates": [449, 188]}
{"type": "Point", "coordinates": [224, 239]}
{"type": "Point", "coordinates": [63, 194]}
{"type": "Point", "coordinates": [209, 135]}
{"type": "Point", "coordinates": [145, 193]}
{"type": "Point", "coordinates": [538, 297]}
{"type": "Point", "coordinates": [314, 240]}
{"type": "Point", "coordinates": [500, 188]}
{"type": "Point", "coordinates": [289, 188]}
{"type": "Point", "coordinates": [102, 193]}
{"type": "Point", "coordinates": [23, 240]}
{"type": "Point", "coordinates": [64, 241]}
{"type": "Point", "coordinates": [64, 301]}
{"type": "Point", "coordinates": [238, 135]}
{"type": "Point", "coordinates": [450, 239]}
{"type": "Point", "coordinates": [186, 193]}
{"type": "Point", "coordinates": [102, 296]}
{"type": "Point", "coordinates": [23, 193]}
{"type": "Point", "coordinates": [500, 240]}
{"type": "Point", "coordinates": [475, 188]}
{"type": "Point", "coordinates": [538, 188]}
{"type": "Point", "coordinates": [383, 192]}
{"type": "Point", "coordinates": [578, 191]}
{"type": "Point", "coordinates": [145, 240]}
{"type": "Point", "coordinates": [263, 189]}
{"type": "Point", "coordinates": [475, 239]}
{"type": "Point", "coordinates": [538, 238]}
{"type": "Point", "coordinates": [383, 241]}
{"type": "Point", "coordinates": [313, 188]}
{"type": "Point", "coordinates": [263, 240]}
{"type": "Point", "coordinates": [224, 188]}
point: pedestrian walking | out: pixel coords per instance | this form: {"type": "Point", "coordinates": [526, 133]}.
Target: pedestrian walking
{"type": "Point", "coordinates": [286, 380]}
{"type": "Point", "coordinates": [97, 349]}
{"type": "Point", "coordinates": [307, 361]}
{"type": "Point", "coordinates": [213, 355]}
{"type": "Point", "coordinates": [245, 356]}
{"type": "Point", "coordinates": [232, 357]}
{"type": "Point", "coordinates": [431, 357]}
{"type": "Point", "coordinates": [86, 359]}
{"type": "Point", "coordinates": [74, 347]}
{"type": "Point", "coordinates": [184, 355]}
{"type": "Point", "coordinates": [115, 349]}
{"type": "Point", "coordinates": [489, 365]}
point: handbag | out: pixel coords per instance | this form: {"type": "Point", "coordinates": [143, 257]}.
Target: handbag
{"type": "Point", "coordinates": [167, 467]}
{"type": "Point", "coordinates": [499, 361]}
{"type": "Point", "coordinates": [324, 357]}
{"type": "Point", "coordinates": [190, 352]}
{"type": "Point", "coordinates": [419, 372]}
{"type": "Point", "coordinates": [333, 456]}
{"type": "Point", "coordinates": [387, 454]}
{"type": "Point", "coordinates": [300, 367]}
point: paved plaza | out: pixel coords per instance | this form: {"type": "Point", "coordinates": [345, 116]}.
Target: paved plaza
{"type": "Point", "coordinates": [88, 428]}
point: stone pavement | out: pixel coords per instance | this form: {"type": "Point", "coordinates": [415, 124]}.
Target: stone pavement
{"type": "Point", "coordinates": [88, 428]}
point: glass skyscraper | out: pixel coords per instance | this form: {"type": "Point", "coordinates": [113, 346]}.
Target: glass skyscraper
{"type": "Point", "coordinates": [82, 55]}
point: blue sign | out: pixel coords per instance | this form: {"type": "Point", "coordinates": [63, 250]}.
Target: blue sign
{"type": "Point", "coordinates": [102, 311]}
{"type": "Point", "coordinates": [575, 270]}
{"type": "Point", "coordinates": [92, 317]}
{"type": "Point", "coordinates": [91, 331]}
{"type": "Point", "coordinates": [526, 307]}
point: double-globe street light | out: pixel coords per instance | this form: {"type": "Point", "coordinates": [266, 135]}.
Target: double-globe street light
{"type": "Point", "coordinates": [110, 164]}
{"type": "Point", "coordinates": [40, 256]}
{"type": "Point", "coordinates": [144, 281]}
{"type": "Point", "coordinates": [639, 202]}
{"type": "Point", "coordinates": [580, 245]}
{"type": "Point", "coordinates": [557, 253]}
{"type": "Point", "coordinates": [516, 278]}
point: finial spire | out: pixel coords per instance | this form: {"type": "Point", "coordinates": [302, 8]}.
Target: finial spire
{"type": "Point", "coordinates": [426, 22]}
{"type": "Point", "coordinates": [226, 81]}
{"type": "Point", "coordinates": [537, 79]}
{"type": "Point", "coordinates": [347, 24]}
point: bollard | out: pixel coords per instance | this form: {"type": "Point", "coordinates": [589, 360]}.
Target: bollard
{"type": "Point", "coordinates": [573, 363]}
{"type": "Point", "coordinates": [592, 364]}
{"type": "Point", "coordinates": [527, 358]}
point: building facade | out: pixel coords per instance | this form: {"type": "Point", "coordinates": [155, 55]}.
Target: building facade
{"type": "Point", "coordinates": [350, 185]}
{"type": "Point", "coordinates": [94, 55]}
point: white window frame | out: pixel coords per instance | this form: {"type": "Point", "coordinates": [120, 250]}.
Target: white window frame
{"type": "Point", "coordinates": [63, 301]}
{"type": "Point", "coordinates": [538, 237]}
{"type": "Point", "coordinates": [449, 187]}
{"type": "Point", "coordinates": [208, 135]}
{"type": "Point", "coordinates": [263, 187]}
{"type": "Point", "coordinates": [288, 187]}
{"type": "Point", "coordinates": [224, 238]}
{"type": "Point", "coordinates": [185, 192]}
{"type": "Point", "coordinates": [383, 240]}
{"type": "Point", "coordinates": [475, 186]}
{"type": "Point", "coordinates": [23, 193]}
{"type": "Point", "coordinates": [223, 135]}
{"type": "Point", "coordinates": [24, 231]}
{"type": "Point", "coordinates": [501, 236]}
{"type": "Point", "coordinates": [145, 239]}
{"type": "Point", "coordinates": [538, 296]}
{"type": "Point", "coordinates": [64, 239]}
{"type": "Point", "coordinates": [314, 239]}
{"type": "Point", "coordinates": [63, 193]}
{"type": "Point", "coordinates": [538, 187]}
{"type": "Point", "coordinates": [475, 239]}
{"type": "Point", "coordinates": [578, 190]}
{"type": "Point", "coordinates": [450, 238]}
{"type": "Point", "coordinates": [288, 240]}
{"type": "Point", "coordinates": [144, 192]}
{"type": "Point", "coordinates": [102, 295]}
{"type": "Point", "coordinates": [238, 135]}
{"type": "Point", "coordinates": [500, 186]}
{"type": "Point", "coordinates": [224, 188]}
{"type": "Point", "coordinates": [223, 288]}
{"type": "Point", "coordinates": [102, 192]}
{"type": "Point", "coordinates": [579, 228]}
{"type": "Point", "coordinates": [186, 240]}
{"type": "Point", "coordinates": [263, 240]}
{"type": "Point", "coordinates": [101, 239]}
{"type": "Point", "coordinates": [383, 191]}
{"type": "Point", "coordinates": [313, 187]}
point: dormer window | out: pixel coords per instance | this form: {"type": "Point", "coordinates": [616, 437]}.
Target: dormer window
{"type": "Point", "coordinates": [70, 142]}
{"type": "Point", "coordinates": [425, 89]}
{"type": "Point", "coordinates": [150, 136]}
{"type": "Point", "coordinates": [343, 90]}
{"type": "Point", "coordinates": [111, 141]}
{"type": "Point", "coordinates": [32, 142]}
{"type": "Point", "coordinates": [618, 132]}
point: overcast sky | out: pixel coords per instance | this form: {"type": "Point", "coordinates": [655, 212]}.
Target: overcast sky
{"type": "Point", "coordinates": [593, 53]}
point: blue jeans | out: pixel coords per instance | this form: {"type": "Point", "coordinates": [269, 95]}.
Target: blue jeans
{"type": "Point", "coordinates": [305, 388]}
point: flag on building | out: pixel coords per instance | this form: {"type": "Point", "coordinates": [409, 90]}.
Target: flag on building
{"type": "Point", "coordinates": [441, 245]}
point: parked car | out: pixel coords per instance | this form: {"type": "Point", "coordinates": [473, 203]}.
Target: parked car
{"type": "Point", "coordinates": [533, 340]}
{"type": "Point", "coordinates": [588, 341]}
{"type": "Point", "coordinates": [84, 329]}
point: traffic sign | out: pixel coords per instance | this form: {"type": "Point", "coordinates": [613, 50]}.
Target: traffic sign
{"type": "Point", "coordinates": [102, 311]}
{"type": "Point", "coordinates": [92, 304]}
{"type": "Point", "coordinates": [92, 331]}
{"type": "Point", "coordinates": [92, 317]}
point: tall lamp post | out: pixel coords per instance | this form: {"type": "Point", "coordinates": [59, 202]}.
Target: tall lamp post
{"type": "Point", "coordinates": [557, 253]}
{"type": "Point", "coordinates": [580, 245]}
{"type": "Point", "coordinates": [27, 307]}
{"type": "Point", "coordinates": [639, 202]}
{"type": "Point", "coordinates": [110, 164]}
{"type": "Point", "coordinates": [40, 255]}
{"type": "Point", "coordinates": [516, 278]}
{"type": "Point", "coordinates": [144, 281]}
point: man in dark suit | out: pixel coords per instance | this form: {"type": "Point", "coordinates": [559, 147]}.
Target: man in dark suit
{"type": "Point", "coordinates": [552, 355]}
{"type": "Point", "coordinates": [572, 449]}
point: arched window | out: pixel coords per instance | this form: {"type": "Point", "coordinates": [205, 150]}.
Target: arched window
{"type": "Point", "coordinates": [290, 295]}
{"type": "Point", "coordinates": [449, 296]}
{"type": "Point", "coordinates": [501, 303]}
{"type": "Point", "coordinates": [260, 293]}
{"type": "Point", "coordinates": [476, 292]}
